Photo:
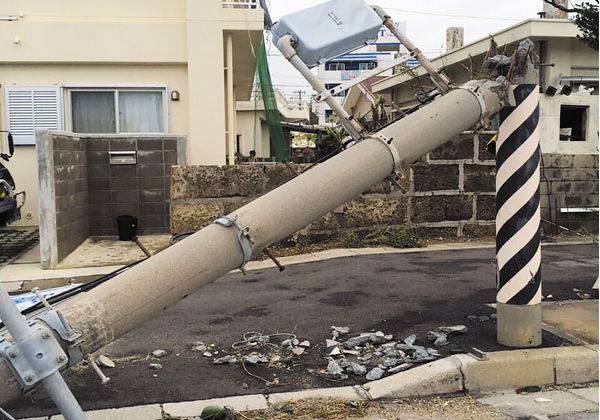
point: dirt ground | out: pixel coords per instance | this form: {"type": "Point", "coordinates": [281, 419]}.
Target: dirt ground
{"type": "Point", "coordinates": [456, 407]}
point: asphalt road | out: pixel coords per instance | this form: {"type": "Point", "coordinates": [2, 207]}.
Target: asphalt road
{"type": "Point", "coordinates": [399, 294]}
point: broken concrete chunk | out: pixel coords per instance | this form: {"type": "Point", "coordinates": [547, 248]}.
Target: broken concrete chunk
{"type": "Point", "coordinates": [352, 352]}
{"type": "Point", "coordinates": [340, 330]}
{"type": "Point", "coordinates": [400, 368]}
{"type": "Point", "coordinates": [225, 359]}
{"type": "Point", "coordinates": [454, 330]}
{"type": "Point", "coordinates": [159, 353]}
{"type": "Point", "coordinates": [295, 342]}
{"type": "Point", "coordinates": [357, 369]}
{"type": "Point", "coordinates": [298, 351]}
{"type": "Point", "coordinates": [433, 352]}
{"type": "Point", "coordinates": [375, 374]}
{"type": "Point", "coordinates": [365, 357]}
{"type": "Point", "coordinates": [335, 335]}
{"type": "Point", "coordinates": [390, 362]}
{"type": "Point", "coordinates": [421, 354]}
{"type": "Point", "coordinates": [441, 341]}
{"type": "Point", "coordinates": [199, 346]}
{"type": "Point", "coordinates": [155, 366]}
{"type": "Point", "coordinates": [305, 343]}
{"type": "Point", "coordinates": [286, 343]}
{"type": "Point", "coordinates": [334, 369]}
{"type": "Point", "coordinates": [255, 359]}
{"type": "Point", "coordinates": [409, 349]}
{"type": "Point", "coordinates": [332, 348]}
{"type": "Point", "coordinates": [389, 337]}
{"type": "Point", "coordinates": [207, 354]}
{"type": "Point", "coordinates": [104, 361]}
{"type": "Point", "coordinates": [356, 341]}
{"type": "Point", "coordinates": [410, 340]}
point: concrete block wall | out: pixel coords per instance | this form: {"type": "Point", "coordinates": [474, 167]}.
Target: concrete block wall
{"type": "Point", "coordinates": [451, 193]}
{"type": "Point", "coordinates": [63, 179]}
{"type": "Point", "coordinates": [81, 193]}
{"type": "Point", "coordinates": [140, 190]}
{"type": "Point", "coordinates": [569, 182]}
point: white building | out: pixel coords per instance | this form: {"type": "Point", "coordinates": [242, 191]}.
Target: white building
{"type": "Point", "coordinates": [351, 65]}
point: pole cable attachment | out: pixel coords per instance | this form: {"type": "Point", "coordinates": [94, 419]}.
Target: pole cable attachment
{"type": "Point", "coordinates": [243, 238]}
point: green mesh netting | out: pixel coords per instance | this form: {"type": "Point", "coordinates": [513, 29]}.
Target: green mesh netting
{"type": "Point", "coordinates": [279, 147]}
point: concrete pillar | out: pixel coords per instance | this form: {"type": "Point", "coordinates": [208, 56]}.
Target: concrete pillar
{"type": "Point", "coordinates": [230, 102]}
{"type": "Point", "coordinates": [206, 84]}
{"type": "Point", "coordinates": [518, 250]}
{"type": "Point", "coordinates": [552, 12]}
{"type": "Point", "coordinates": [455, 38]}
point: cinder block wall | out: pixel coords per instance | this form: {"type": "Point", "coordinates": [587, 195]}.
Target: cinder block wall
{"type": "Point", "coordinates": [451, 193]}
{"type": "Point", "coordinates": [569, 184]}
{"type": "Point", "coordinates": [81, 193]}
{"type": "Point", "coordinates": [64, 207]}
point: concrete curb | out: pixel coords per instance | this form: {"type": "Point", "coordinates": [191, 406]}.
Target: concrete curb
{"type": "Point", "coordinates": [460, 373]}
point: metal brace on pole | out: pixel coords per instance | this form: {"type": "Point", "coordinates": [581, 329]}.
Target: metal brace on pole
{"type": "Point", "coordinates": [243, 238]}
{"type": "Point", "coordinates": [34, 355]}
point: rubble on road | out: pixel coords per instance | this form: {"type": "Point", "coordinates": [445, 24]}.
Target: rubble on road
{"type": "Point", "coordinates": [104, 361]}
{"type": "Point", "coordinates": [155, 366]}
{"type": "Point", "coordinates": [374, 354]}
{"type": "Point", "coordinates": [159, 353]}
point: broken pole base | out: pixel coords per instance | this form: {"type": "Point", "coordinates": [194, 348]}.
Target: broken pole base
{"type": "Point", "coordinates": [519, 325]}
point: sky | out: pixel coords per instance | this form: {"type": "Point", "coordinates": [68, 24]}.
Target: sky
{"type": "Point", "coordinates": [426, 24]}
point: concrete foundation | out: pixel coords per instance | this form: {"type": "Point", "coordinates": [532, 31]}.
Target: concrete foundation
{"type": "Point", "coordinates": [519, 325]}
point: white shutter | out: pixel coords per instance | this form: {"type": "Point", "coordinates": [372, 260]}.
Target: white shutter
{"type": "Point", "coordinates": [31, 108]}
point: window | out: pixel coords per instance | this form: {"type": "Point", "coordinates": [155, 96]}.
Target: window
{"type": "Point", "coordinates": [336, 66]}
{"type": "Point", "coordinates": [30, 108]}
{"type": "Point", "coordinates": [366, 66]}
{"type": "Point", "coordinates": [118, 111]}
{"type": "Point", "coordinates": [573, 122]}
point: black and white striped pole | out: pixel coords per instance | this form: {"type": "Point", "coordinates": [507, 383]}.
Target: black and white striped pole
{"type": "Point", "coordinates": [518, 251]}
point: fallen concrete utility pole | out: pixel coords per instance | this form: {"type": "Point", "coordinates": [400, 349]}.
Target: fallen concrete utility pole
{"type": "Point", "coordinates": [144, 291]}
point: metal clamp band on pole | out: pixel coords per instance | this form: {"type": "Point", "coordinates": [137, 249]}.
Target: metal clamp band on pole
{"type": "Point", "coordinates": [474, 89]}
{"type": "Point", "coordinates": [518, 251]}
{"type": "Point", "coordinates": [243, 238]}
{"type": "Point", "coordinates": [392, 149]}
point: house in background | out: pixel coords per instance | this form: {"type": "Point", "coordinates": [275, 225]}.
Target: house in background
{"type": "Point", "coordinates": [351, 65]}
{"type": "Point", "coordinates": [252, 130]}
{"type": "Point", "coordinates": [125, 68]}
{"type": "Point", "coordinates": [573, 64]}
{"type": "Point", "coordinates": [568, 110]}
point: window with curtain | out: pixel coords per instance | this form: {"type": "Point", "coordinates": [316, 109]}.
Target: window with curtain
{"type": "Point", "coordinates": [118, 111]}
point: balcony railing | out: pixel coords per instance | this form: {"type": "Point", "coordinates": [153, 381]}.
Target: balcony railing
{"type": "Point", "coordinates": [241, 4]}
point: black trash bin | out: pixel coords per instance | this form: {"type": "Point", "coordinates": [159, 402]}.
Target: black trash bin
{"type": "Point", "coordinates": [128, 226]}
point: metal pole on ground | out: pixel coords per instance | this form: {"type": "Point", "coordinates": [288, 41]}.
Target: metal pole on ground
{"type": "Point", "coordinates": [518, 251]}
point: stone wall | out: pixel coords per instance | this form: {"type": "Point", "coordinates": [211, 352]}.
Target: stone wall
{"type": "Point", "coordinates": [451, 192]}
{"type": "Point", "coordinates": [81, 193]}
{"type": "Point", "coordinates": [569, 184]}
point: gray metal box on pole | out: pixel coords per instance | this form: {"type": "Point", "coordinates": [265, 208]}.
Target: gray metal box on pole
{"type": "Point", "coordinates": [329, 30]}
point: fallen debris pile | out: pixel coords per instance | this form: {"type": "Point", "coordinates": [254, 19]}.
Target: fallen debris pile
{"type": "Point", "coordinates": [278, 350]}
{"type": "Point", "coordinates": [374, 354]}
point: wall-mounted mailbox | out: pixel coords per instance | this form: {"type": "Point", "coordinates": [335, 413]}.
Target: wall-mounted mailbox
{"type": "Point", "coordinates": [123, 158]}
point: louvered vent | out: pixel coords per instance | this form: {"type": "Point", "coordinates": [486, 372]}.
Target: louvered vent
{"type": "Point", "coordinates": [30, 109]}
